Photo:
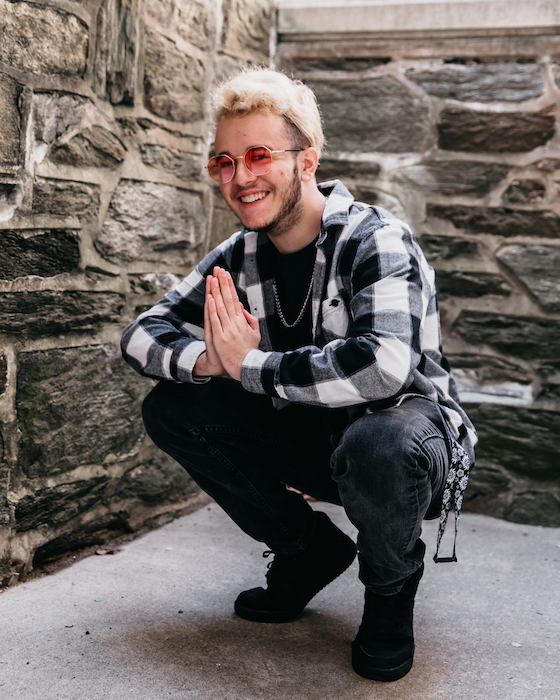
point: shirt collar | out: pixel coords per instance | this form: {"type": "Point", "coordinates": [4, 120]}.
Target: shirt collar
{"type": "Point", "coordinates": [337, 207]}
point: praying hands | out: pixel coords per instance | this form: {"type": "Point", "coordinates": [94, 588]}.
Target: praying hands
{"type": "Point", "coordinates": [230, 331]}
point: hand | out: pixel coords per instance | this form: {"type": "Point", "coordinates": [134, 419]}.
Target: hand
{"type": "Point", "coordinates": [234, 330]}
{"type": "Point", "coordinates": [208, 363]}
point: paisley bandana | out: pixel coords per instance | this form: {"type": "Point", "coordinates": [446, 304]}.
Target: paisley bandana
{"type": "Point", "coordinates": [455, 486]}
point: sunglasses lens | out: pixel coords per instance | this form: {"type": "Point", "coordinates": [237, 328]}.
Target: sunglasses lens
{"type": "Point", "coordinates": [258, 160]}
{"type": "Point", "coordinates": [220, 168]}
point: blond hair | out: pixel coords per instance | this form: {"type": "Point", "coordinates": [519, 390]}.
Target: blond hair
{"type": "Point", "coordinates": [263, 91]}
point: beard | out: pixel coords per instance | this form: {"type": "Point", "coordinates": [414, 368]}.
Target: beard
{"type": "Point", "coordinates": [291, 210]}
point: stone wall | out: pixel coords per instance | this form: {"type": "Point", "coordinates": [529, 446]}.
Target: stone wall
{"type": "Point", "coordinates": [103, 207]}
{"type": "Point", "coordinates": [456, 131]}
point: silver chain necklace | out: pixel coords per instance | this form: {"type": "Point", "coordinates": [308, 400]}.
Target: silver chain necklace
{"type": "Point", "coordinates": [279, 306]}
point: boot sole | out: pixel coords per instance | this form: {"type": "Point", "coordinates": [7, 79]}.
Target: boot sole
{"type": "Point", "coordinates": [263, 615]}
{"type": "Point", "coordinates": [360, 664]}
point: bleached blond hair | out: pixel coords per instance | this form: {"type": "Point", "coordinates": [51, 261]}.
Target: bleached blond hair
{"type": "Point", "coordinates": [264, 91]}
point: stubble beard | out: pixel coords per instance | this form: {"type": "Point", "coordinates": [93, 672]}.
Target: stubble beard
{"type": "Point", "coordinates": [291, 211]}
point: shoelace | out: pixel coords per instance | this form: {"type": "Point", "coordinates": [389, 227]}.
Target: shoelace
{"type": "Point", "coordinates": [266, 554]}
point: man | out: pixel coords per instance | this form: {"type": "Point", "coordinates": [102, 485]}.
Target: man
{"type": "Point", "coordinates": [305, 351]}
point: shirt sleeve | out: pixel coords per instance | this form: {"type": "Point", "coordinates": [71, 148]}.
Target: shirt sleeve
{"type": "Point", "coordinates": [165, 341]}
{"type": "Point", "coordinates": [381, 348]}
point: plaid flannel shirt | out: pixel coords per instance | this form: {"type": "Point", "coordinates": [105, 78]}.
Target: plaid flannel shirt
{"type": "Point", "coordinates": [376, 324]}
{"type": "Point", "coordinates": [375, 318]}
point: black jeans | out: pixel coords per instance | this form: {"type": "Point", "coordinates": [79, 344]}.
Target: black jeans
{"type": "Point", "coordinates": [388, 470]}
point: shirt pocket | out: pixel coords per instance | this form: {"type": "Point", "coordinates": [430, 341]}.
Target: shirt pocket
{"type": "Point", "coordinates": [335, 317]}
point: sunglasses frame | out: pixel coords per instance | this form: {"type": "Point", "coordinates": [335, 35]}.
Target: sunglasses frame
{"type": "Point", "coordinates": [219, 181]}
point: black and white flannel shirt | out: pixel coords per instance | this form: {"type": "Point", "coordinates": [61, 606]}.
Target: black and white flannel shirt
{"type": "Point", "coordinates": [375, 318]}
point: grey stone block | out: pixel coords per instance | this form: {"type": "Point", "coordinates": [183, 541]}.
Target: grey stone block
{"type": "Point", "coordinates": [516, 445]}
{"type": "Point", "coordinates": [41, 39]}
{"type": "Point", "coordinates": [55, 506]}
{"type": "Point", "coordinates": [65, 198]}
{"type": "Point", "coordinates": [478, 132]}
{"type": "Point", "coordinates": [153, 222]}
{"type": "Point", "coordinates": [537, 267]}
{"type": "Point", "coordinates": [246, 27]}
{"type": "Point", "coordinates": [43, 313]}
{"type": "Point", "coordinates": [38, 252]}
{"type": "Point", "coordinates": [180, 163]}
{"type": "Point", "coordinates": [76, 406]}
{"type": "Point", "coordinates": [454, 177]}
{"type": "Point", "coordinates": [490, 369]}
{"type": "Point", "coordinates": [500, 221]}
{"type": "Point", "coordinates": [116, 49]}
{"type": "Point", "coordinates": [535, 507]}
{"type": "Point", "coordinates": [331, 169]}
{"type": "Point", "coordinates": [10, 118]}
{"type": "Point", "coordinates": [224, 222]}
{"type": "Point", "coordinates": [518, 336]}
{"type": "Point", "coordinates": [93, 147]}
{"type": "Point", "coordinates": [156, 481]}
{"type": "Point", "coordinates": [161, 11]}
{"type": "Point", "coordinates": [469, 285]}
{"type": "Point", "coordinates": [196, 23]}
{"type": "Point", "coordinates": [525, 192]}
{"type": "Point", "coordinates": [371, 115]}
{"type": "Point", "coordinates": [549, 374]}
{"type": "Point", "coordinates": [173, 81]}
{"type": "Point", "coordinates": [446, 247]}
{"type": "Point", "coordinates": [517, 453]}
{"type": "Point", "coordinates": [475, 82]}
{"type": "Point", "coordinates": [3, 384]}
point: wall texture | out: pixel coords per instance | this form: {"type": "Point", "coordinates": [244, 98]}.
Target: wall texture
{"type": "Point", "coordinates": [103, 207]}
{"type": "Point", "coordinates": [456, 131]}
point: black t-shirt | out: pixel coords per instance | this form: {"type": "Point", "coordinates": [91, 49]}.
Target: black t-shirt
{"type": "Point", "coordinates": [293, 276]}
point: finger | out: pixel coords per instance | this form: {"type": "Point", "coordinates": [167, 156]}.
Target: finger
{"type": "Point", "coordinates": [215, 321]}
{"type": "Point", "coordinates": [207, 324]}
{"type": "Point", "coordinates": [220, 306]}
{"type": "Point", "coordinates": [229, 294]}
{"type": "Point", "coordinates": [233, 288]}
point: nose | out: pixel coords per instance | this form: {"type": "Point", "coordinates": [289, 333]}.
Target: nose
{"type": "Point", "coordinates": [242, 177]}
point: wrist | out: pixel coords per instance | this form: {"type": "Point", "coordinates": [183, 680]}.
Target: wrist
{"type": "Point", "coordinates": [200, 368]}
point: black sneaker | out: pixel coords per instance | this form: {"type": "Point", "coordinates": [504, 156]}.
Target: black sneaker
{"type": "Point", "coordinates": [384, 646]}
{"type": "Point", "coordinates": [293, 579]}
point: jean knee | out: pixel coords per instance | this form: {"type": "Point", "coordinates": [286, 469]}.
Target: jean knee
{"type": "Point", "coordinates": [372, 438]}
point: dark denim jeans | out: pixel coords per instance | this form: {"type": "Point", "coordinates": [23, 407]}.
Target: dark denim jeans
{"type": "Point", "coordinates": [388, 471]}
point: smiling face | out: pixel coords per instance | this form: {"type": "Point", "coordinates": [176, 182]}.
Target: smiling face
{"type": "Point", "coordinates": [271, 203]}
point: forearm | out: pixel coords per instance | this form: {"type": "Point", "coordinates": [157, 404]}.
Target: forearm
{"type": "Point", "coordinates": [158, 350]}
{"type": "Point", "coordinates": [343, 373]}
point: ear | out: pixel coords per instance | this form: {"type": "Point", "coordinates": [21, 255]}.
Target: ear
{"type": "Point", "coordinates": [310, 163]}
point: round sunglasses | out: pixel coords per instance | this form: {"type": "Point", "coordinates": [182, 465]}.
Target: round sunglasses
{"type": "Point", "coordinates": [257, 159]}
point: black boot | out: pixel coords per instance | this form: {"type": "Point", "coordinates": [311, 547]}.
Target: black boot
{"type": "Point", "coordinates": [384, 646]}
{"type": "Point", "coordinates": [293, 579]}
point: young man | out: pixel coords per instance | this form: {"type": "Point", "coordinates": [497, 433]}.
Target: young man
{"type": "Point", "coordinates": [305, 351]}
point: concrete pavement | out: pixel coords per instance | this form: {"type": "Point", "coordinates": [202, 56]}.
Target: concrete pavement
{"type": "Point", "coordinates": [156, 621]}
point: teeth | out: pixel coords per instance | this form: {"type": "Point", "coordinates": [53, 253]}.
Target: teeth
{"type": "Point", "coordinates": [253, 198]}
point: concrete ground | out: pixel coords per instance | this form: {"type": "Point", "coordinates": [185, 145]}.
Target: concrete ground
{"type": "Point", "coordinates": [156, 621]}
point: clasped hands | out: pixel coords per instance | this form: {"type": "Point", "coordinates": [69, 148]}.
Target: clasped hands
{"type": "Point", "coordinates": [230, 331]}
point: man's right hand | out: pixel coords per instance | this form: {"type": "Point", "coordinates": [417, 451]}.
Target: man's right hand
{"type": "Point", "coordinates": [208, 363]}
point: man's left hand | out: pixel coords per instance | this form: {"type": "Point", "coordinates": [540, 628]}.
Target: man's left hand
{"type": "Point", "coordinates": [234, 330]}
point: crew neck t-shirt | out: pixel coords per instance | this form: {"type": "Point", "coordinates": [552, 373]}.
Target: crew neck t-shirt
{"type": "Point", "coordinates": [293, 275]}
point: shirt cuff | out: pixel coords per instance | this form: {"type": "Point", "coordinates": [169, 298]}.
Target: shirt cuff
{"type": "Point", "coordinates": [187, 360]}
{"type": "Point", "coordinates": [258, 371]}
